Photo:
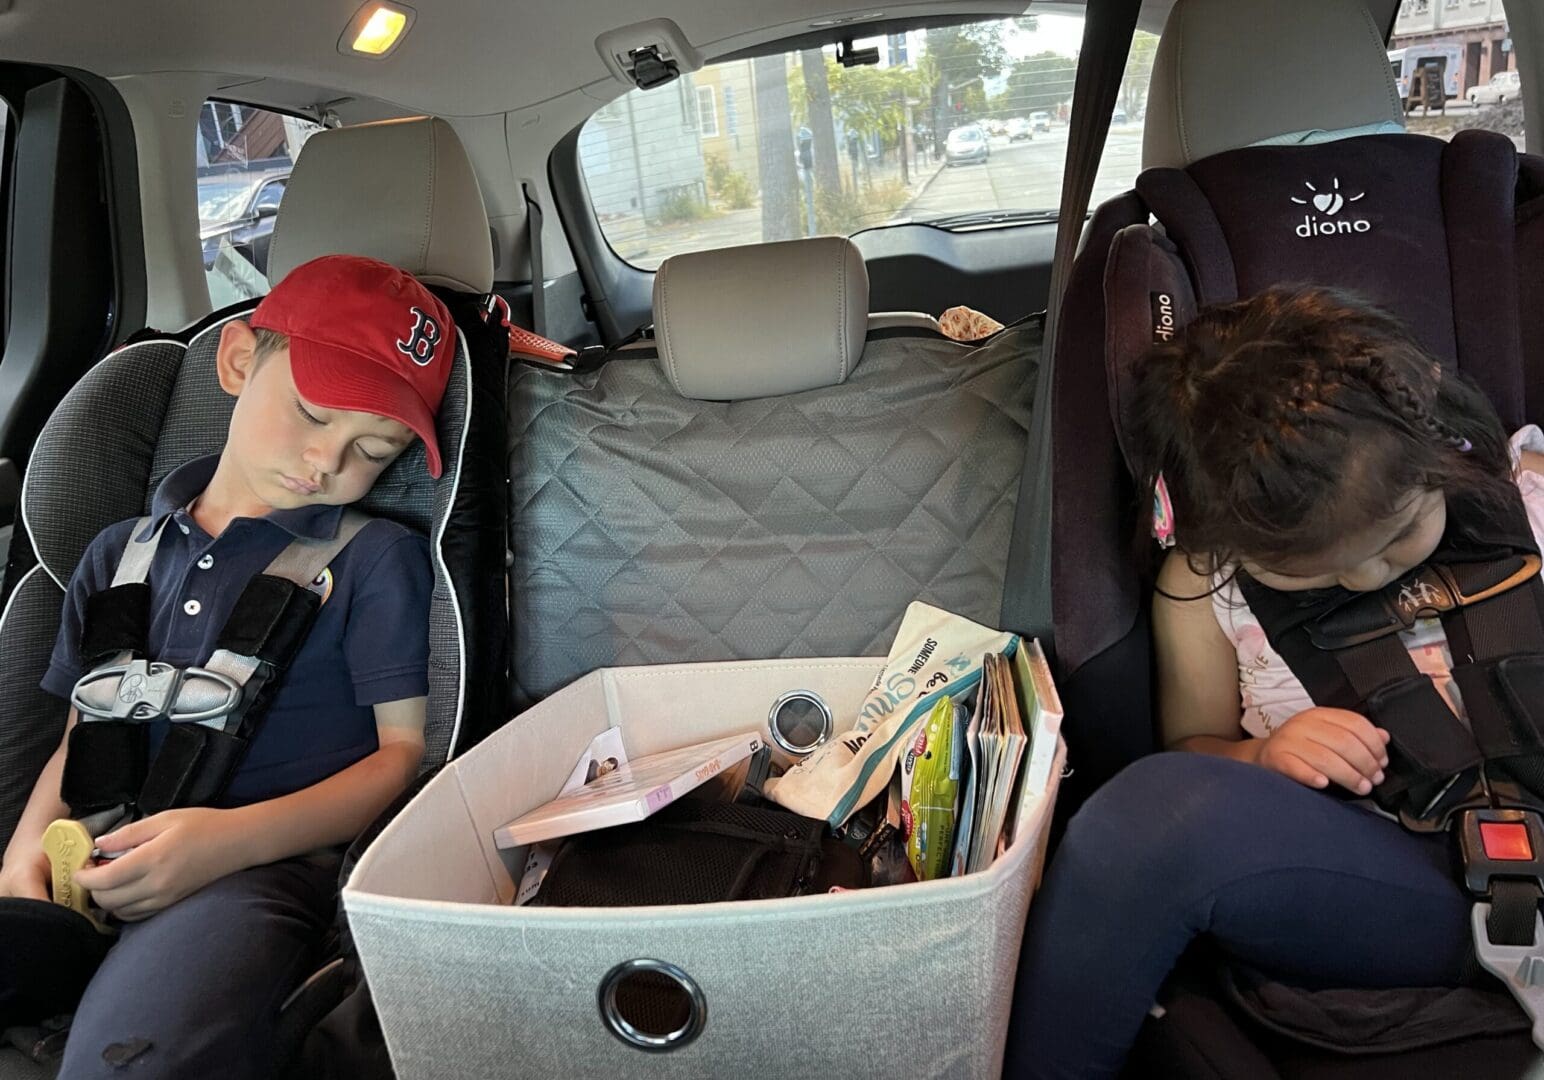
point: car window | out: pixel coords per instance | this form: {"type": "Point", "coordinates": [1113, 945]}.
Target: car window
{"type": "Point", "coordinates": [244, 159]}
{"type": "Point", "coordinates": [1455, 68]}
{"type": "Point", "coordinates": [961, 127]}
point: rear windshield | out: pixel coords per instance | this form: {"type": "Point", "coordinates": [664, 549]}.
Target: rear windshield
{"type": "Point", "coordinates": [795, 144]}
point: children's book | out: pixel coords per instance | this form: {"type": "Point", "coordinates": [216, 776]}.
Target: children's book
{"type": "Point", "coordinates": [629, 793]}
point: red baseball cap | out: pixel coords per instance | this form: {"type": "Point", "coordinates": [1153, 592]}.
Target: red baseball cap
{"type": "Point", "coordinates": [367, 337]}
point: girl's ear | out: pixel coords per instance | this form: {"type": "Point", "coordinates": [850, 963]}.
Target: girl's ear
{"type": "Point", "coordinates": [237, 356]}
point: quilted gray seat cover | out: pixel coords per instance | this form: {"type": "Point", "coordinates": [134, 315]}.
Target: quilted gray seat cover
{"type": "Point", "coordinates": [650, 528]}
{"type": "Point", "coordinates": [133, 418]}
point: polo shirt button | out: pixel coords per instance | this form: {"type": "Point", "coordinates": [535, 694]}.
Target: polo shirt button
{"type": "Point", "coordinates": [206, 562]}
{"type": "Point", "coordinates": [183, 527]}
{"type": "Point", "coordinates": [192, 607]}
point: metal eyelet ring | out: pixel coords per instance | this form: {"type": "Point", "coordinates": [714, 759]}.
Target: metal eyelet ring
{"type": "Point", "coordinates": [777, 722]}
{"type": "Point", "coordinates": [697, 1006]}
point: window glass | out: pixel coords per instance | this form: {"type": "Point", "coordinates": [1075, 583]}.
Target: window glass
{"type": "Point", "coordinates": [707, 112]}
{"type": "Point", "coordinates": [244, 159]}
{"type": "Point", "coordinates": [1455, 68]}
{"type": "Point", "coordinates": [963, 127]}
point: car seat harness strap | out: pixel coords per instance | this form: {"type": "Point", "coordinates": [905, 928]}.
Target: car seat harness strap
{"type": "Point", "coordinates": [212, 710]}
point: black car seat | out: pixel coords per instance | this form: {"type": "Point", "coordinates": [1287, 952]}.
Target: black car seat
{"type": "Point", "coordinates": [1273, 153]}
{"type": "Point", "coordinates": [781, 478]}
{"type": "Point", "coordinates": [403, 192]}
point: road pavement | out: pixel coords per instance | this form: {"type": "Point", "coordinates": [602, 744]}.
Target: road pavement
{"type": "Point", "coordinates": [1026, 176]}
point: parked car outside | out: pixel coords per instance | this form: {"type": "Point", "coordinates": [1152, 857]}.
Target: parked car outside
{"type": "Point", "coordinates": [1020, 128]}
{"type": "Point", "coordinates": [1504, 86]}
{"type": "Point", "coordinates": [1040, 120]}
{"type": "Point", "coordinates": [239, 209]}
{"type": "Point", "coordinates": [968, 143]}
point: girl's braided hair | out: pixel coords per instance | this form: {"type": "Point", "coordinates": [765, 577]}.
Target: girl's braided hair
{"type": "Point", "coordinates": [1282, 422]}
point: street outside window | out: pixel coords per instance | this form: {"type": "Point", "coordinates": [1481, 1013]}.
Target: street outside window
{"type": "Point", "coordinates": [245, 155]}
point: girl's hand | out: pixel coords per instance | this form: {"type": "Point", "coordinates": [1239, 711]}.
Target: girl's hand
{"type": "Point", "coordinates": [1318, 746]}
{"type": "Point", "coordinates": [26, 877]}
{"type": "Point", "coordinates": [174, 853]}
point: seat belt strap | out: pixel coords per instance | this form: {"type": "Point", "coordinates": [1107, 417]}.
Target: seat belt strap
{"type": "Point", "coordinates": [251, 655]}
{"type": "Point", "coordinates": [303, 561]}
{"type": "Point", "coordinates": [138, 554]}
{"type": "Point", "coordinates": [1430, 744]}
{"type": "Point", "coordinates": [215, 708]}
{"type": "Point", "coordinates": [1108, 27]}
{"type": "Point", "coordinates": [533, 222]}
{"type": "Point", "coordinates": [1514, 905]}
{"type": "Point", "coordinates": [1502, 682]}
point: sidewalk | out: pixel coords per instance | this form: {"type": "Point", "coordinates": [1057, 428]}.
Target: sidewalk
{"type": "Point", "coordinates": [919, 189]}
{"type": "Point", "coordinates": [646, 245]}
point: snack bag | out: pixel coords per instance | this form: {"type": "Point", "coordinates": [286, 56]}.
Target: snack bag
{"type": "Point", "coordinates": [936, 655]}
{"type": "Point", "coordinates": [930, 781]}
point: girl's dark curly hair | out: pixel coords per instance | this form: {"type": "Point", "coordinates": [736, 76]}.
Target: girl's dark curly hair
{"type": "Point", "coordinates": [1282, 422]}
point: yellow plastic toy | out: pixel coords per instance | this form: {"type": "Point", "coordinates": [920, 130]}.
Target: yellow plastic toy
{"type": "Point", "coordinates": [69, 846]}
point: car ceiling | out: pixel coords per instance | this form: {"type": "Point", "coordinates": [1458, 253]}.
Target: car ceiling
{"type": "Point", "coordinates": [513, 78]}
{"type": "Point", "coordinates": [461, 58]}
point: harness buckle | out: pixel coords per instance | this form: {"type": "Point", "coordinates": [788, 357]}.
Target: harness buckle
{"type": "Point", "coordinates": [143, 690]}
{"type": "Point", "coordinates": [1500, 844]}
{"type": "Point", "coordinates": [1503, 856]}
{"type": "Point", "coordinates": [139, 690]}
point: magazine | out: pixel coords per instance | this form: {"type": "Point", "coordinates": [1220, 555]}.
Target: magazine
{"type": "Point", "coordinates": [1002, 744]}
{"type": "Point", "coordinates": [629, 793]}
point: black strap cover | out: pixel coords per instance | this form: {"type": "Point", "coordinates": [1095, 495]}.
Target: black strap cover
{"type": "Point", "coordinates": [192, 768]}
{"type": "Point", "coordinates": [270, 620]}
{"type": "Point", "coordinates": [195, 763]}
{"type": "Point", "coordinates": [104, 765]}
{"type": "Point", "coordinates": [116, 620]}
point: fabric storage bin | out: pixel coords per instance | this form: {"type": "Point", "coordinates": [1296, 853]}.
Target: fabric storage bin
{"type": "Point", "coordinates": [905, 981]}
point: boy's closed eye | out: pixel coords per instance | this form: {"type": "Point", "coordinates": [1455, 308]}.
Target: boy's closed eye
{"type": "Point", "coordinates": [389, 445]}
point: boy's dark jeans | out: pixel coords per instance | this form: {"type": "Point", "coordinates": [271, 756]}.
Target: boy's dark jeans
{"type": "Point", "coordinates": [194, 990]}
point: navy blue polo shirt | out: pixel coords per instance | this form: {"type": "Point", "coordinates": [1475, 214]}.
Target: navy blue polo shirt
{"type": "Point", "coordinates": [368, 645]}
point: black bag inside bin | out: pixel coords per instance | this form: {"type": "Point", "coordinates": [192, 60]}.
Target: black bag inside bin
{"type": "Point", "coordinates": [698, 851]}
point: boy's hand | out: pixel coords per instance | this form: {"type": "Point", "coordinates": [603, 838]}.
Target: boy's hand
{"type": "Point", "coordinates": [26, 877]}
{"type": "Point", "coordinates": [1318, 746]}
{"type": "Point", "coordinates": [174, 853]}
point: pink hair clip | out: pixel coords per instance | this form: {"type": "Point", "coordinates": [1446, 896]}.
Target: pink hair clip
{"type": "Point", "coordinates": [1163, 513]}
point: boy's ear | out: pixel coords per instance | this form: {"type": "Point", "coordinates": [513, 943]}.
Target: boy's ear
{"type": "Point", "coordinates": [237, 356]}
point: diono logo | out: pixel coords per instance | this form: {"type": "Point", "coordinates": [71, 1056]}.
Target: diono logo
{"type": "Point", "coordinates": [1329, 203]}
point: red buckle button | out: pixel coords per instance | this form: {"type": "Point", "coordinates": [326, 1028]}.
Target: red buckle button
{"type": "Point", "coordinates": [1506, 841]}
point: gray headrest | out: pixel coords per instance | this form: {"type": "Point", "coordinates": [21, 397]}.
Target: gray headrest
{"type": "Point", "coordinates": [1230, 73]}
{"type": "Point", "coordinates": [761, 320]}
{"type": "Point", "coordinates": [401, 191]}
